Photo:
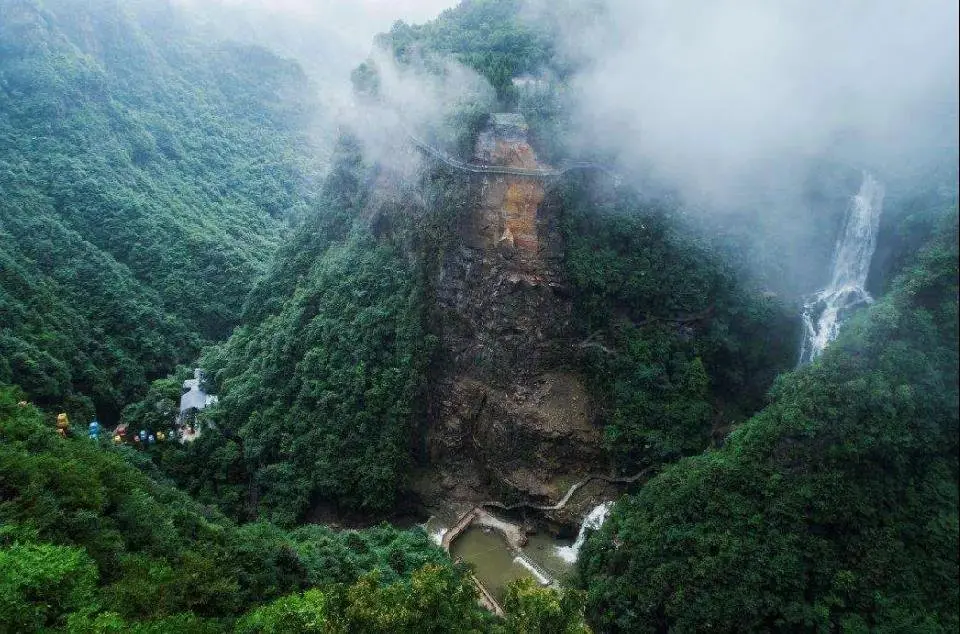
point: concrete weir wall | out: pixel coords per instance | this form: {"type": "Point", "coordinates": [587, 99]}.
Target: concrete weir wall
{"type": "Point", "coordinates": [514, 537]}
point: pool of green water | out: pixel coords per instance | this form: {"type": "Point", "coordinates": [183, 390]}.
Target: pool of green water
{"type": "Point", "coordinates": [542, 549]}
{"type": "Point", "coordinates": [496, 566]}
{"type": "Point", "coordinates": [491, 559]}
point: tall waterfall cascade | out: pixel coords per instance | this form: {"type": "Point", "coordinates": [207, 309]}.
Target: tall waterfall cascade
{"type": "Point", "coordinates": [592, 522]}
{"type": "Point", "coordinates": [827, 309]}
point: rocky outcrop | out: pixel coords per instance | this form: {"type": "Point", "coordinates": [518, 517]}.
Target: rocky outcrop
{"type": "Point", "coordinates": [513, 419]}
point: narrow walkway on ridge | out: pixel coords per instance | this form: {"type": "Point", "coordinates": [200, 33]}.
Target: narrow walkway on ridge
{"type": "Point", "coordinates": [566, 498]}
{"type": "Point", "coordinates": [472, 168]}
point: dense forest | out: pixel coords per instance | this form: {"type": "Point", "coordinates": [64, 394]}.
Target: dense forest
{"type": "Point", "coordinates": [146, 178]}
{"type": "Point", "coordinates": [696, 348]}
{"type": "Point", "coordinates": [164, 206]}
{"type": "Point", "coordinates": [93, 539]}
{"type": "Point", "coordinates": [833, 508]}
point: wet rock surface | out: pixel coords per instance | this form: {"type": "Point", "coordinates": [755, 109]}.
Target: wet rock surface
{"type": "Point", "coordinates": [512, 419]}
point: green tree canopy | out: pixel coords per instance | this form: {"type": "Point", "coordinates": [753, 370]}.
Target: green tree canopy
{"type": "Point", "coordinates": [834, 509]}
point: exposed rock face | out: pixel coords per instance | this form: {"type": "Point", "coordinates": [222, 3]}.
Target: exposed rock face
{"type": "Point", "coordinates": [505, 132]}
{"type": "Point", "coordinates": [513, 420]}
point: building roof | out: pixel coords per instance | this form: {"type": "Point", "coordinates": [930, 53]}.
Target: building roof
{"type": "Point", "coordinates": [195, 397]}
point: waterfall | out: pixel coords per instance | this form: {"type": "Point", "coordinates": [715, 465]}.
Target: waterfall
{"type": "Point", "coordinates": [825, 310]}
{"type": "Point", "coordinates": [435, 529]}
{"type": "Point", "coordinates": [593, 521]}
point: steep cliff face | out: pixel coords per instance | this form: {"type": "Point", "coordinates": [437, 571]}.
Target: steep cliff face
{"type": "Point", "coordinates": [513, 419]}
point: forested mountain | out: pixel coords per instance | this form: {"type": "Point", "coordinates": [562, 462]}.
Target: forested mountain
{"type": "Point", "coordinates": [396, 331]}
{"type": "Point", "coordinates": [323, 382]}
{"type": "Point", "coordinates": [835, 508]}
{"type": "Point", "coordinates": [91, 544]}
{"type": "Point", "coordinates": [146, 178]}
{"type": "Point", "coordinates": [326, 387]}
{"type": "Point", "coordinates": [487, 36]}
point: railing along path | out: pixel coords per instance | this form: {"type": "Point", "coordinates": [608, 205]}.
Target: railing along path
{"type": "Point", "coordinates": [504, 170]}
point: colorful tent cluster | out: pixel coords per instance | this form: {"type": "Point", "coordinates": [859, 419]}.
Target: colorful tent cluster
{"type": "Point", "coordinates": [143, 438]}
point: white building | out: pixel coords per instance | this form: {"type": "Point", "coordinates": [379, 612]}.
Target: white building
{"type": "Point", "coordinates": [192, 400]}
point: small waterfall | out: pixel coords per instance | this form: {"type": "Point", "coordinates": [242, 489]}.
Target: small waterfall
{"type": "Point", "coordinates": [593, 521]}
{"type": "Point", "coordinates": [826, 310]}
{"type": "Point", "coordinates": [435, 529]}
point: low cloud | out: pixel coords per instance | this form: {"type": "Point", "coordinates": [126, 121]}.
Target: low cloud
{"type": "Point", "coordinates": [330, 38]}
{"type": "Point", "coordinates": [710, 96]}
{"type": "Point", "coordinates": [416, 98]}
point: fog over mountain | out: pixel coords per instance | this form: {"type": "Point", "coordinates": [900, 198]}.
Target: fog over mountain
{"type": "Point", "coordinates": [457, 281]}
{"type": "Point", "coordinates": [711, 96]}
{"type": "Point", "coordinates": [328, 37]}
{"type": "Point", "coordinates": [723, 101]}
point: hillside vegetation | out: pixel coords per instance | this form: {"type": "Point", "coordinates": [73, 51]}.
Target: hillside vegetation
{"type": "Point", "coordinates": [87, 538]}
{"type": "Point", "coordinates": [162, 207]}
{"type": "Point", "coordinates": [679, 346]}
{"type": "Point", "coordinates": [835, 508]}
{"type": "Point", "coordinates": [145, 177]}
{"type": "Point", "coordinates": [91, 543]}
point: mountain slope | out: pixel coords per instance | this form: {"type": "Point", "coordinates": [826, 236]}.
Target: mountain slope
{"type": "Point", "coordinates": [145, 178]}
{"type": "Point", "coordinates": [84, 533]}
{"type": "Point", "coordinates": [564, 312]}
{"type": "Point", "coordinates": [835, 508]}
